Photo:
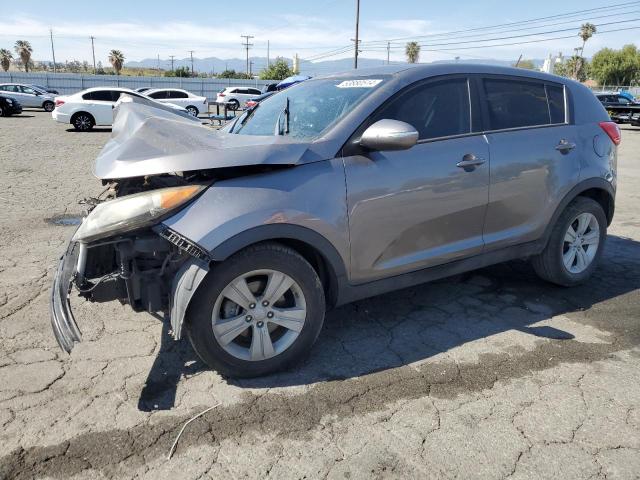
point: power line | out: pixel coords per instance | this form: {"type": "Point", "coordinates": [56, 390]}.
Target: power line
{"type": "Point", "coordinates": [517, 36]}
{"type": "Point", "coordinates": [533, 20]}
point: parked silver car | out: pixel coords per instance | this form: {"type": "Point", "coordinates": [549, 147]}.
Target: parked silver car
{"type": "Point", "coordinates": [338, 189]}
{"type": "Point", "coordinates": [29, 96]}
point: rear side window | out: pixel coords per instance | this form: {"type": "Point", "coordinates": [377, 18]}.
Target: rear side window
{"type": "Point", "coordinates": [513, 104]}
{"type": "Point", "coordinates": [435, 109]}
{"type": "Point", "coordinates": [156, 95]}
{"type": "Point", "coordinates": [100, 95]}
{"type": "Point", "coordinates": [175, 94]}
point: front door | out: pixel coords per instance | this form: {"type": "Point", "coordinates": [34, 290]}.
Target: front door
{"type": "Point", "coordinates": [420, 207]}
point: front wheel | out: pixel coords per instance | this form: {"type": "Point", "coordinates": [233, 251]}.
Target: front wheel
{"type": "Point", "coordinates": [48, 106]}
{"type": "Point", "coordinates": [2, 114]}
{"type": "Point", "coordinates": [575, 245]}
{"type": "Point", "coordinates": [258, 312]}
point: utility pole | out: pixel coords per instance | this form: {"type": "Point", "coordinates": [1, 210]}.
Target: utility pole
{"type": "Point", "coordinates": [93, 51]}
{"type": "Point", "coordinates": [246, 45]}
{"type": "Point", "coordinates": [53, 52]}
{"type": "Point", "coordinates": [357, 42]}
{"type": "Point", "coordinates": [191, 53]}
{"type": "Point", "coordinates": [158, 64]}
{"type": "Point", "coordinates": [250, 67]}
{"type": "Point", "coordinates": [388, 51]}
{"type": "Point", "coordinates": [172, 57]}
{"type": "Point", "coordinates": [268, 62]}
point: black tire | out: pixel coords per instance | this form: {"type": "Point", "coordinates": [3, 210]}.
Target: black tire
{"type": "Point", "coordinates": [48, 106]}
{"type": "Point", "coordinates": [261, 256]}
{"type": "Point", "coordinates": [233, 105]}
{"type": "Point", "coordinates": [549, 264]}
{"type": "Point", "coordinates": [193, 110]}
{"type": "Point", "coordinates": [2, 114]}
{"type": "Point", "coordinates": [82, 121]}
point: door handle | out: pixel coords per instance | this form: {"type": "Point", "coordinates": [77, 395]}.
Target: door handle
{"type": "Point", "coordinates": [469, 162]}
{"type": "Point", "coordinates": [564, 146]}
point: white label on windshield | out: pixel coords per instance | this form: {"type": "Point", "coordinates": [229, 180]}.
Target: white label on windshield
{"type": "Point", "coordinates": [369, 83]}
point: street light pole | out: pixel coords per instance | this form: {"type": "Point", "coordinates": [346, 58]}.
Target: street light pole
{"type": "Point", "coordinates": [93, 51]}
{"type": "Point", "coordinates": [53, 52]}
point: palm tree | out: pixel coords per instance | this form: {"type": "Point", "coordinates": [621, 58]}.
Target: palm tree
{"type": "Point", "coordinates": [412, 51]}
{"type": "Point", "coordinates": [586, 32]}
{"type": "Point", "coordinates": [116, 58]}
{"type": "Point", "coordinates": [24, 50]}
{"type": "Point", "coordinates": [5, 58]}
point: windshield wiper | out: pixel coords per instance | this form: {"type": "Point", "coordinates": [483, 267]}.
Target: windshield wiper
{"type": "Point", "coordinates": [285, 112]}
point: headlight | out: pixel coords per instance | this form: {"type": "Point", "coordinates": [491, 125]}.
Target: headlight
{"type": "Point", "coordinates": [133, 211]}
{"type": "Point", "coordinates": [9, 101]}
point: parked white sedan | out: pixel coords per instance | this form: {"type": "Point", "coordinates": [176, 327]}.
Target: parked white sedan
{"type": "Point", "coordinates": [193, 103]}
{"type": "Point", "coordinates": [93, 106]}
{"type": "Point", "coordinates": [28, 95]}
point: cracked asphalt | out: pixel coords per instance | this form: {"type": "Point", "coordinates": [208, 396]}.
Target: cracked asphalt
{"type": "Point", "coordinates": [492, 374]}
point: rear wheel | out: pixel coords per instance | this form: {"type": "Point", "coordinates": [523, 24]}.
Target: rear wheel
{"type": "Point", "coordinates": [83, 122]}
{"type": "Point", "coordinates": [48, 106]}
{"type": "Point", "coordinates": [575, 245]}
{"type": "Point", "coordinates": [258, 312]}
{"type": "Point", "coordinates": [2, 114]}
{"type": "Point", "coordinates": [233, 105]}
{"type": "Point", "coordinates": [192, 110]}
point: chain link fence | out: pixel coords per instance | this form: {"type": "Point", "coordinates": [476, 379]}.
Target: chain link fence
{"type": "Point", "coordinates": [68, 83]}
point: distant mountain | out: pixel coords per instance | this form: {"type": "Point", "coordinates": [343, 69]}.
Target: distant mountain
{"type": "Point", "coordinates": [217, 65]}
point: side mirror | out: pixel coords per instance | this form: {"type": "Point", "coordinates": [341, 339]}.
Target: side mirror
{"type": "Point", "coordinates": [389, 134]}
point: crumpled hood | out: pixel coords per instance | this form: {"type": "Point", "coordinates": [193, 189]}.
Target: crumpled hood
{"type": "Point", "coordinates": [147, 140]}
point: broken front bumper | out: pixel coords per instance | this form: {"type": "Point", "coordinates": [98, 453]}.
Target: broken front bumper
{"type": "Point", "coordinates": [63, 323]}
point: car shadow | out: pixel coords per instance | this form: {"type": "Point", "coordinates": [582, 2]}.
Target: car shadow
{"type": "Point", "coordinates": [93, 130]}
{"type": "Point", "coordinates": [20, 115]}
{"type": "Point", "coordinates": [417, 323]}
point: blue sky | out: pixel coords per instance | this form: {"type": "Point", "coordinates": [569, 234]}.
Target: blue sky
{"type": "Point", "coordinates": [144, 29]}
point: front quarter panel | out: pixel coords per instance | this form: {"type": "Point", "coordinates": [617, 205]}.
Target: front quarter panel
{"type": "Point", "coordinates": [311, 195]}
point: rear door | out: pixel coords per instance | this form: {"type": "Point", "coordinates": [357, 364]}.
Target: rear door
{"type": "Point", "coordinates": [15, 92]}
{"type": "Point", "coordinates": [534, 156]}
{"type": "Point", "coordinates": [178, 98]}
{"type": "Point", "coordinates": [420, 207]}
{"type": "Point", "coordinates": [100, 105]}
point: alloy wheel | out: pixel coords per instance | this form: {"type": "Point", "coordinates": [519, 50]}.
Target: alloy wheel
{"type": "Point", "coordinates": [580, 243]}
{"type": "Point", "coordinates": [82, 122]}
{"type": "Point", "coordinates": [192, 111]}
{"type": "Point", "coordinates": [259, 315]}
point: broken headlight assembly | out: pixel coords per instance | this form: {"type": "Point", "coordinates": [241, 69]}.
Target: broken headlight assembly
{"type": "Point", "coordinates": [133, 211]}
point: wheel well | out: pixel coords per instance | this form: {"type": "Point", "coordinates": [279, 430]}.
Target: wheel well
{"type": "Point", "coordinates": [47, 101]}
{"type": "Point", "coordinates": [73, 117]}
{"type": "Point", "coordinates": [603, 198]}
{"type": "Point", "coordinates": [193, 106]}
{"type": "Point", "coordinates": [319, 263]}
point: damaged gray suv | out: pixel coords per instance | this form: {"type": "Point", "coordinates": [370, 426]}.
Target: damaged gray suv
{"type": "Point", "coordinates": [334, 190]}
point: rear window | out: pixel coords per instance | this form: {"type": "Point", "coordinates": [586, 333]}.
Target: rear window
{"type": "Point", "coordinates": [516, 103]}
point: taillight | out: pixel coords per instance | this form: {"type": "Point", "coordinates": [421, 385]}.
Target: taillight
{"type": "Point", "coordinates": [612, 129]}
{"type": "Point", "coordinates": [59, 102]}
{"type": "Point", "coordinates": [250, 103]}
{"type": "Point", "coordinates": [221, 94]}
